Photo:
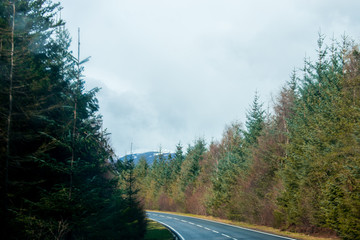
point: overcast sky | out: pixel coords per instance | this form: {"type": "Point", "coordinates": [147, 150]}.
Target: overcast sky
{"type": "Point", "coordinates": [175, 70]}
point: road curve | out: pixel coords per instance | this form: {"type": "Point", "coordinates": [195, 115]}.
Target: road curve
{"type": "Point", "coordinates": [189, 228]}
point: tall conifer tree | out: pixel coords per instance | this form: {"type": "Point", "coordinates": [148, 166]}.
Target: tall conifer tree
{"type": "Point", "coordinates": [255, 119]}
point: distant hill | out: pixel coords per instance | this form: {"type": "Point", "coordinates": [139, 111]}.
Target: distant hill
{"type": "Point", "coordinates": [149, 156]}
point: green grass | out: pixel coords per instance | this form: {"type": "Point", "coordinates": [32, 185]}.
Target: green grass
{"type": "Point", "coordinates": [156, 231]}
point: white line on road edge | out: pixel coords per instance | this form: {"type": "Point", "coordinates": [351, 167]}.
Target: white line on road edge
{"type": "Point", "coordinates": [172, 229]}
{"type": "Point", "coordinates": [226, 235]}
{"type": "Point", "coordinates": [248, 229]}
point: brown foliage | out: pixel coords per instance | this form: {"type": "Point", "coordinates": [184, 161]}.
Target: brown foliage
{"type": "Point", "coordinates": [194, 200]}
{"type": "Point", "coordinates": [166, 203]}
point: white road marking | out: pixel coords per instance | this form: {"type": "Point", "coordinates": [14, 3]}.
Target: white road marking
{"type": "Point", "coordinates": [181, 237]}
{"type": "Point", "coordinates": [226, 235]}
{"type": "Point", "coordinates": [248, 229]}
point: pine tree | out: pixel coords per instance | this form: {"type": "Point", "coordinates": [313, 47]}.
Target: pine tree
{"type": "Point", "coordinates": [231, 166]}
{"type": "Point", "coordinates": [317, 163]}
{"type": "Point", "coordinates": [254, 121]}
{"type": "Point", "coordinates": [176, 162]}
{"type": "Point", "coordinates": [141, 169]}
{"type": "Point", "coordinates": [41, 140]}
{"type": "Point", "coordinates": [190, 167]}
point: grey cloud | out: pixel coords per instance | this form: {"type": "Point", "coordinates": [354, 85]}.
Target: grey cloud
{"type": "Point", "coordinates": [171, 71]}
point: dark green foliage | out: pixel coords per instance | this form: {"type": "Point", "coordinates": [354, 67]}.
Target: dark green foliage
{"type": "Point", "coordinates": [45, 193]}
{"type": "Point", "coordinates": [190, 167]}
{"type": "Point", "coordinates": [231, 165]}
{"type": "Point", "coordinates": [321, 153]}
{"type": "Point", "coordinates": [176, 162]}
{"type": "Point", "coordinates": [297, 169]}
{"type": "Point", "coordinates": [254, 121]}
{"type": "Point", "coordinates": [142, 168]}
{"type": "Point", "coordinates": [126, 170]}
{"type": "Point", "coordinates": [129, 223]}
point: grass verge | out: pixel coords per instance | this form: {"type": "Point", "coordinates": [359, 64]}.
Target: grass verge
{"type": "Point", "coordinates": [156, 231]}
{"type": "Point", "coordinates": [279, 232]}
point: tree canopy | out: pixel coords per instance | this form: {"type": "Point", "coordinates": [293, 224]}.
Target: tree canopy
{"type": "Point", "coordinates": [295, 169]}
{"type": "Point", "coordinates": [57, 176]}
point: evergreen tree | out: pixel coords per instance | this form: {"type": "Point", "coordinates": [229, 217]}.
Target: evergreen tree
{"type": "Point", "coordinates": [317, 163]}
{"type": "Point", "coordinates": [190, 167]}
{"type": "Point", "coordinates": [254, 121]}
{"type": "Point", "coordinates": [231, 166]}
{"type": "Point", "coordinates": [141, 169]}
{"type": "Point", "coordinates": [42, 150]}
{"type": "Point", "coordinates": [126, 171]}
{"type": "Point", "coordinates": [176, 162]}
{"type": "Point", "coordinates": [132, 213]}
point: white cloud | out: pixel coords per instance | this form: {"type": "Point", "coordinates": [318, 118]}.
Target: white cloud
{"type": "Point", "coordinates": [175, 70]}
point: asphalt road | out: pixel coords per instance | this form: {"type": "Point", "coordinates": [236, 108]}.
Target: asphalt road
{"type": "Point", "coordinates": [189, 228]}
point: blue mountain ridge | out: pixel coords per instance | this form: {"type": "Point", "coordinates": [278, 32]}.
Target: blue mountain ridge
{"type": "Point", "coordinates": [149, 156]}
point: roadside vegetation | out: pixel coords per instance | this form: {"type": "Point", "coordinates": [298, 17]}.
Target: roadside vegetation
{"type": "Point", "coordinates": [300, 236]}
{"type": "Point", "coordinates": [57, 177]}
{"type": "Point", "coordinates": [156, 231]}
{"type": "Point", "coordinates": [294, 167]}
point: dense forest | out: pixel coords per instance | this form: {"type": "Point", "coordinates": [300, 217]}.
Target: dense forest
{"type": "Point", "coordinates": [296, 167]}
{"type": "Point", "coordinates": [58, 178]}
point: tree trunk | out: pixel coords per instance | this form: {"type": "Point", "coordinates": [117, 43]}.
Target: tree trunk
{"type": "Point", "coordinates": [8, 132]}
{"type": "Point", "coordinates": [77, 86]}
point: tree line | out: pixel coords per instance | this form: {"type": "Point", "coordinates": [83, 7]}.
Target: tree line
{"type": "Point", "coordinates": [57, 174]}
{"type": "Point", "coordinates": [295, 168]}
